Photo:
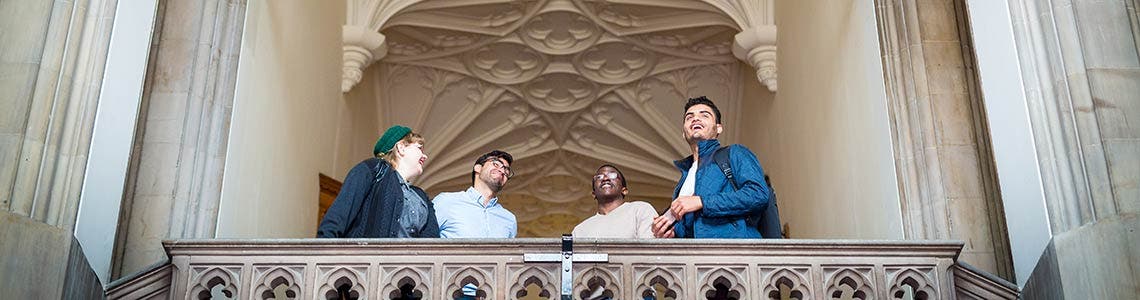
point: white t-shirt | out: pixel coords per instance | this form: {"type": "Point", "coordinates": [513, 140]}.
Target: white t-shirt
{"type": "Point", "coordinates": [630, 220]}
{"type": "Point", "coordinates": [690, 185]}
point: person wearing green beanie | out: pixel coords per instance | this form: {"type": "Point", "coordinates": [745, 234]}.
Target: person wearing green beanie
{"type": "Point", "coordinates": [377, 199]}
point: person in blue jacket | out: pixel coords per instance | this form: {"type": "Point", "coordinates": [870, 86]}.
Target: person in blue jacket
{"type": "Point", "coordinates": [706, 204]}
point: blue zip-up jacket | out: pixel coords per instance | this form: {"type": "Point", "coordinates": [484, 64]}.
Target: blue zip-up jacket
{"type": "Point", "coordinates": [725, 208]}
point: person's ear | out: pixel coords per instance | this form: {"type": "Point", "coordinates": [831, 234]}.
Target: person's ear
{"type": "Point", "coordinates": [719, 128]}
{"type": "Point", "coordinates": [478, 169]}
{"type": "Point", "coordinates": [624, 191]}
{"type": "Point", "coordinates": [400, 148]}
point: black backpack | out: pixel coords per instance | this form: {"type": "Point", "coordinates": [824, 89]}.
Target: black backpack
{"type": "Point", "coordinates": [767, 221]}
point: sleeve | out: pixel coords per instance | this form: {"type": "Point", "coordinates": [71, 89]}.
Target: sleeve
{"type": "Point", "coordinates": [645, 216]}
{"type": "Point", "coordinates": [344, 209]}
{"type": "Point", "coordinates": [441, 214]}
{"type": "Point", "coordinates": [514, 226]}
{"type": "Point", "coordinates": [753, 194]}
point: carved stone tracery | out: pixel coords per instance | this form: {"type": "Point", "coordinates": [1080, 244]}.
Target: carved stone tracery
{"type": "Point", "coordinates": [413, 280]}
{"type": "Point", "coordinates": [725, 282]}
{"type": "Point", "coordinates": [346, 281]}
{"type": "Point", "coordinates": [598, 281]}
{"type": "Point", "coordinates": [480, 276]}
{"type": "Point", "coordinates": [792, 283]}
{"type": "Point", "coordinates": [269, 280]}
{"type": "Point", "coordinates": [659, 282]}
{"type": "Point", "coordinates": [910, 283]}
{"type": "Point", "coordinates": [525, 277]}
{"type": "Point", "coordinates": [850, 283]}
{"type": "Point", "coordinates": [207, 281]}
{"type": "Point", "coordinates": [543, 79]}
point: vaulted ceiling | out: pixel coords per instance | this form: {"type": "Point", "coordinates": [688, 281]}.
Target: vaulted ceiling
{"type": "Point", "coordinates": [565, 86]}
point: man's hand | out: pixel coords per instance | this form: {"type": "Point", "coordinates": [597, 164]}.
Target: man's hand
{"type": "Point", "coordinates": [686, 204]}
{"type": "Point", "coordinates": [663, 227]}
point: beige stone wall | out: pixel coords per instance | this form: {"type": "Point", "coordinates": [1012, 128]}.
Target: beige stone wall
{"type": "Point", "coordinates": [1081, 67]}
{"type": "Point", "coordinates": [51, 60]}
{"type": "Point", "coordinates": [823, 138]}
{"type": "Point", "coordinates": [942, 150]}
{"type": "Point", "coordinates": [360, 121]}
{"type": "Point", "coordinates": [284, 119]}
{"type": "Point", "coordinates": [175, 173]}
{"type": "Point", "coordinates": [25, 25]}
{"type": "Point", "coordinates": [41, 261]}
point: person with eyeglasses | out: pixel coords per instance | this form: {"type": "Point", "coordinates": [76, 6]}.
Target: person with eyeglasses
{"type": "Point", "coordinates": [616, 218]}
{"type": "Point", "coordinates": [476, 212]}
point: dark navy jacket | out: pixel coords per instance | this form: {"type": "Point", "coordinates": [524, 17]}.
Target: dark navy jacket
{"type": "Point", "coordinates": [357, 212]}
{"type": "Point", "coordinates": [725, 208]}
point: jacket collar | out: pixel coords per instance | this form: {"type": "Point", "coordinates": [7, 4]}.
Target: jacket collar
{"type": "Point", "coordinates": [704, 148]}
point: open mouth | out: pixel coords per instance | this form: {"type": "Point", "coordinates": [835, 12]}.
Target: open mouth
{"type": "Point", "coordinates": [696, 127]}
{"type": "Point", "coordinates": [606, 185]}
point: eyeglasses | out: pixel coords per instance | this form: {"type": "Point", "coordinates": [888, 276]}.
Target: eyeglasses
{"type": "Point", "coordinates": [499, 165]}
{"type": "Point", "coordinates": [603, 176]}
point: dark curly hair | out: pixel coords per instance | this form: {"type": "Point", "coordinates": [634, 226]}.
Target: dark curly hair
{"type": "Point", "coordinates": [703, 100]}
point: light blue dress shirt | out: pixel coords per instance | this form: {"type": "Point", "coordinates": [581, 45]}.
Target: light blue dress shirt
{"type": "Point", "coordinates": [463, 215]}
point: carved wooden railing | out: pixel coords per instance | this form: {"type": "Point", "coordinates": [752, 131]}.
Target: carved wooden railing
{"type": "Point", "coordinates": [636, 269]}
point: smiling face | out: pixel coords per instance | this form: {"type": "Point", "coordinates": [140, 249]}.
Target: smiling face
{"type": "Point", "coordinates": [608, 184]}
{"type": "Point", "coordinates": [700, 124]}
{"type": "Point", "coordinates": [412, 154]}
{"type": "Point", "coordinates": [494, 173]}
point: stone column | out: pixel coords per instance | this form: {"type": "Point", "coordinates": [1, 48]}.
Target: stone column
{"type": "Point", "coordinates": [52, 55]}
{"type": "Point", "coordinates": [1082, 77]}
{"type": "Point", "coordinates": [52, 62]}
{"type": "Point", "coordinates": [943, 158]}
{"type": "Point", "coordinates": [1081, 72]}
{"type": "Point", "coordinates": [174, 181]}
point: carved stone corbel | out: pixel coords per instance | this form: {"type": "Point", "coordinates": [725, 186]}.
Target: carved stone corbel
{"type": "Point", "coordinates": [757, 47]}
{"type": "Point", "coordinates": [362, 46]}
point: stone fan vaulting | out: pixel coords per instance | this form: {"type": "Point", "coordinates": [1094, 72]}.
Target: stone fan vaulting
{"type": "Point", "coordinates": [565, 86]}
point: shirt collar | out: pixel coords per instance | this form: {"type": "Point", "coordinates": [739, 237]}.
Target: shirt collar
{"type": "Point", "coordinates": [704, 148]}
{"type": "Point", "coordinates": [403, 182]}
{"type": "Point", "coordinates": [475, 194]}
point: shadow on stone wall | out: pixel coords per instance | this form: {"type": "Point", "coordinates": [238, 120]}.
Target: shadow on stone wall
{"type": "Point", "coordinates": [41, 261]}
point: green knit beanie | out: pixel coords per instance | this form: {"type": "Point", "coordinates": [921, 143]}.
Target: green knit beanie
{"type": "Point", "coordinates": [388, 140]}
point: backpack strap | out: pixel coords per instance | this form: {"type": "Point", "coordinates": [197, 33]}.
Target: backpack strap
{"type": "Point", "coordinates": [721, 158]}
{"type": "Point", "coordinates": [757, 220]}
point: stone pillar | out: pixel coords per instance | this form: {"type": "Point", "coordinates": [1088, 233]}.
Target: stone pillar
{"type": "Point", "coordinates": [943, 157]}
{"type": "Point", "coordinates": [52, 55]}
{"type": "Point", "coordinates": [174, 181]}
{"type": "Point", "coordinates": [1081, 72]}
{"type": "Point", "coordinates": [52, 59]}
{"type": "Point", "coordinates": [1082, 77]}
